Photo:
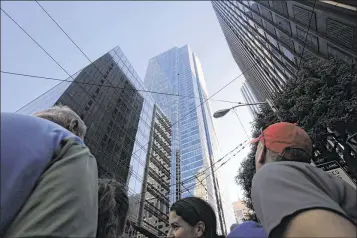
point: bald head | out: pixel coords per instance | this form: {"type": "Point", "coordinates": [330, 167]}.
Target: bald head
{"type": "Point", "coordinates": [65, 117]}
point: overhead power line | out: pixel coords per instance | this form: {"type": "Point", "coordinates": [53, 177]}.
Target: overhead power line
{"type": "Point", "coordinates": [229, 83]}
{"type": "Point", "coordinates": [225, 162]}
{"type": "Point", "coordinates": [108, 86]}
{"type": "Point", "coordinates": [55, 62]}
{"type": "Point", "coordinates": [219, 160]}
{"type": "Point", "coordinates": [307, 34]}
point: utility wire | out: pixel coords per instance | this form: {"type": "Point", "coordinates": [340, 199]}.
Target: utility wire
{"type": "Point", "coordinates": [229, 83]}
{"type": "Point", "coordinates": [241, 124]}
{"type": "Point", "coordinates": [235, 111]}
{"type": "Point", "coordinates": [103, 85]}
{"type": "Point", "coordinates": [46, 51]}
{"type": "Point", "coordinates": [213, 94]}
{"type": "Point", "coordinates": [307, 34]}
{"type": "Point", "coordinates": [201, 181]}
{"type": "Point", "coordinates": [225, 162]}
{"type": "Point", "coordinates": [53, 60]}
{"type": "Point", "coordinates": [35, 41]}
{"type": "Point", "coordinates": [222, 164]}
{"type": "Point", "coordinates": [219, 160]}
{"type": "Point", "coordinates": [51, 56]}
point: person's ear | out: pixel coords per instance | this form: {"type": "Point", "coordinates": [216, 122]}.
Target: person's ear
{"type": "Point", "coordinates": [73, 127]}
{"type": "Point", "coordinates": [260, 155]}
{"type": "Point", "coordinates": [200, 229]}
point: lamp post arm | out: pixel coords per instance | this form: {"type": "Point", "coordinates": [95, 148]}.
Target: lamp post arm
{"type": "Point", "coordinates": [248, 104]}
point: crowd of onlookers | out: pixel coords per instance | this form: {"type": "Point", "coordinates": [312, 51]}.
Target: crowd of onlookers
{"type": "Point", "coordinates": [50, 187]}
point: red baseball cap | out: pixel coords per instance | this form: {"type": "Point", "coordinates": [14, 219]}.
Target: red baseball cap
{"type": "Point", "coordinates": [282, 135]}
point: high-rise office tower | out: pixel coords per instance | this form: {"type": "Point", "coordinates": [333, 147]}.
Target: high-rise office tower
{"type": "Point", "coordinates": [267, 38]}
{"type": "Point", "coordinates": [178, 72]}
{"type": "Point", "coordinates": [126, 132]}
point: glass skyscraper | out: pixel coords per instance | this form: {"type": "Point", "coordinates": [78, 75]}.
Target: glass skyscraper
{"type": "Point", "coordinates": [178, 72]}
{"type": "Point", "coordinates": [126, 132]}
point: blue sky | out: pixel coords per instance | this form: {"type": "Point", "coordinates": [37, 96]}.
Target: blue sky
{"type": "Point", "coordinates": [142, 30]}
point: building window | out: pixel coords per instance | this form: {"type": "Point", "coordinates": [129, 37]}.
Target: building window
{"type": "Point", "coordinates": [311, 40]}
{"type": "Point", "coordinates": [305, 17]}
{"type": "Point", "coordinates": [283, 24]}
{"type": "Point", "coordinates": [341, 33]}
{"type": "Point", "coordinates": [257, 19]}
{"type": "Point", "coordinates": [265, 12]}
{"type": "Point", "coordinates": [270, 28]}
{"type": "Point", "coordinates": [280, 6]}
{"type": "Point", "coordinates": [286, 40]}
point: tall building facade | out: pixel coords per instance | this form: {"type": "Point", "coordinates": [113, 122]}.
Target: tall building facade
{"type": "Point", "coordinates": [179, 72]}
{"type": "Point", "coordinates": [126, 132]}
{"type": "Point", "coordinates": [267, 38]}
{"type": "Point", "coordinates": [156, 205]}
{"type": "Point", "coordinates": [249, 97]}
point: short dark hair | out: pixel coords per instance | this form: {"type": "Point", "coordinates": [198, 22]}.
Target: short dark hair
{"type": "Point", "coordinates": [194, 209]}
{"type": "Point", "coordinates": [112, 208]}
{"type": "Point", "coordinates": [296, 154]}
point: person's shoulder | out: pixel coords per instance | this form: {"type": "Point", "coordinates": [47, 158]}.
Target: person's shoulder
{"type": "Point", "coordinates": [248, 229]}
{"type": "Point", "coordinates": [289, 167]}
{"type": "Point", "coordinates": [33, 129]}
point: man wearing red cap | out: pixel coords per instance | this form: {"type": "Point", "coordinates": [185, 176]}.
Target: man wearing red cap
{"type": "Point", "coordinates": [291, 197]}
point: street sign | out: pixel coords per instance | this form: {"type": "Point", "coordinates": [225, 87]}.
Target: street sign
{"type": "Point", "coordinates": [335, 169]}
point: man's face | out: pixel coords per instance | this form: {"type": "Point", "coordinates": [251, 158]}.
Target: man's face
{"type": "Point", "coordinates": [259, 156]}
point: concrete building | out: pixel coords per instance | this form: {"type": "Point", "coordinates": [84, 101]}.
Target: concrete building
{"type": "Point", "coordinates": [156, 186]}
{"type": "Point", "coordinates": [239, 210]}
{"type": "Point", "coordinates": [267, 38]}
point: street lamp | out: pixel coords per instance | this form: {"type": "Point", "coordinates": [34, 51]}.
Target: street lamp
{"type": "Point", "coordinates": [223, 112]}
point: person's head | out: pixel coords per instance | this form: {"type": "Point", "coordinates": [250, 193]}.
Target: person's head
{"type": "Point", "coordinates": [248, 229]}
{"type": "Point", "coordinates": [112, 208]}
{"type": "Point", "coordinates": [65, 117]}
{"type": "Point", "coordinates": [283, 141]}
{"type": "Point", "coordinates": [192, 217]}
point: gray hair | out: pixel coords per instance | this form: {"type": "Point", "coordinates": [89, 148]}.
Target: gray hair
{"type": "Point", "coordinates": [65, 117]}
{"type": "Point", "coordinates": [290, 154]}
